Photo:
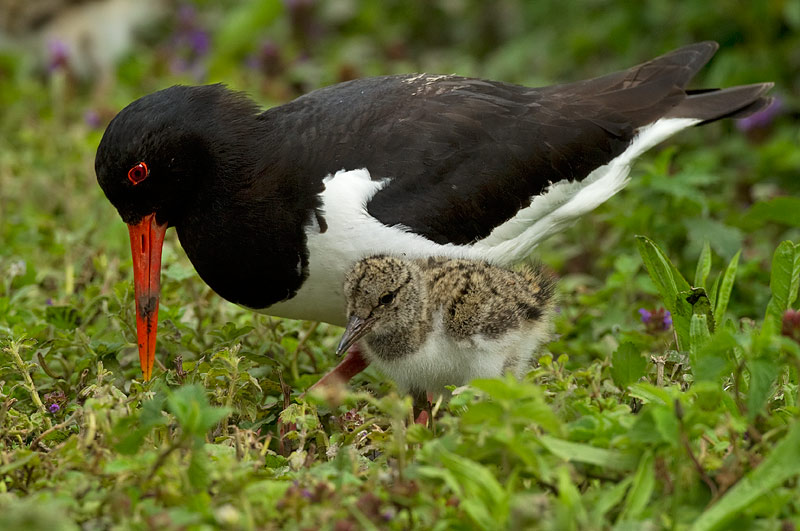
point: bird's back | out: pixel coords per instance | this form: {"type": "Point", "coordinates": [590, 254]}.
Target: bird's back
{"type": "Point", "coordinates": [479, 299]}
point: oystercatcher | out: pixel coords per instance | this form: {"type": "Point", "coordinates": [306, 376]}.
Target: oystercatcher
{"type": "Point", "coordinates": [431, 322]}
{"type": "Point", "coordinates": [273, 207]}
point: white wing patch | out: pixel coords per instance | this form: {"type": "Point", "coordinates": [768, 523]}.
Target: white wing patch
{"type": "Point", "coordinates": [565, 201]}
{"type": "Point", "coordinates": [352, 234]}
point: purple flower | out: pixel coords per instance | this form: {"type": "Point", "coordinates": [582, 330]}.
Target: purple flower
{"type": "Point", "coordinates": [92, 118]}
{"type": "Point", "coordinates": [58, 53]}
{"type": "Point", "coordinates": [54, 408]}
{"type": "Point", "coordinates": [199, 42]}
{"type": "Point", "coordinates": [658, 320]}
{"type": "Point", "coordinates": [763, 118]}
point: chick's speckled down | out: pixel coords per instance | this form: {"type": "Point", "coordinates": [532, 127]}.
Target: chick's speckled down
{"type": "Point", "coordinates": [436, 321]}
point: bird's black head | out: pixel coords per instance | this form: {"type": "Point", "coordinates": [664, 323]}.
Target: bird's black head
{"type": "Point", "coordinates": [160, 151]}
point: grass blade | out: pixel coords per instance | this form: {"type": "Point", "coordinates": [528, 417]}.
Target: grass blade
{"type": "Point", "coordinates": [725, 288]}
{"type": "Point", "coordinates": [703, 266]}
{"type": "Point", "coordinates": [669, 282]}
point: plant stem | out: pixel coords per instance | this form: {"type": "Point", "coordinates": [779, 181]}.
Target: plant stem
{"type": "Point", "coordinates": [13, 349]}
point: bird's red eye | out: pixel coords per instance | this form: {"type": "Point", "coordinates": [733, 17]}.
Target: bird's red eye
{"type": "Point", "coordinates": [138, 173]}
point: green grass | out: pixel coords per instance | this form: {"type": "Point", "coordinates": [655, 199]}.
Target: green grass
{"type": "Point", "coordinates": [622, 425]}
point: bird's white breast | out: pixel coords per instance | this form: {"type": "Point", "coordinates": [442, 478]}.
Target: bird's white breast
{"type": "Point", "coordinates": [443, 360]}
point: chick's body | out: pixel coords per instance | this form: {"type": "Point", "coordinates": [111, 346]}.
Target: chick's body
{"type": "Point", "coordinates": [436, 322]}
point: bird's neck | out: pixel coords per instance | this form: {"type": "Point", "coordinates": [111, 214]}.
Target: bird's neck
{"type": "Point", "coordinates": [246, 234]}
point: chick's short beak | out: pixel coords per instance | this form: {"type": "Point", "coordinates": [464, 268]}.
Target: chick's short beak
{"type": "Point", "coordinates": [356, 328]}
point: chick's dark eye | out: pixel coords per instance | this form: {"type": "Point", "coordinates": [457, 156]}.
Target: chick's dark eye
{"type": "Point", "coordinates": [138, 173]}
{"type": "Point", "coordinates": [386, 298]}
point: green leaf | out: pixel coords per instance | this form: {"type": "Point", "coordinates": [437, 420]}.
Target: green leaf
{"type": "Point", "coordinates": [610, 498]}
{"type": "Point", "coordinates": [711, 360]}
{"type": "Point", "coordinates": [703, 266]}
{"type": "Point", "coordinates": [724, 240]}
{"type": "Point", "coordinates": [190, 406]}
{"type": "Point", "coordinates": [726, 286]}
{"type": "Point", "coordinates": [783, 283]}
{"type": "Point", "coordinates": [763, 373]}
{"type": "Point", "coordinates": [779, 466]}
{"type": "Point", "coordinates": [627, 365]}
{"type": "Point", "coordinates": [651, 393]}
{"type": "Point", "coordinates": [669, 283]}
{"type": "Point", "coordinates": [482, 496]}
{"type": "Point", "coordinates": [785, 210]}
{"type": "Point", "coordinates": [698, 335]}
{"type": "Point", "coordinates": [641, 490]}
{"type": "Point", "coordinates": [63, 317]}
{"type": "Point", "coordinates": [584, 453]}
{"type": "Point", "coordinates": [572, 513]}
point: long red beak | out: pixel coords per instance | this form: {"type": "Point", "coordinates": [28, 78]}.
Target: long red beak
{"type": "Point", "coordinates": [147, 239]}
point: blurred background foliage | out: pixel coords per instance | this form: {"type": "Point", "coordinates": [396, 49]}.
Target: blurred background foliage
{"type": "Point", "coordinates": [66, 308]}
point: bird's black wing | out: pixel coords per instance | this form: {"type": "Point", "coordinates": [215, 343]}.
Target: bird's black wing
{"type": "Point", "coordinates": [464, 155]}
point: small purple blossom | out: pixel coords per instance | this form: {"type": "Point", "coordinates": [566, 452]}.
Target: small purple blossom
{"type": "Point", "coordinates": [58, 54]}
{"type": "Point", "coordinates": [658, 320]}
{"type": "Point", "coordinates": [55, 400]}
{"type": "Point", "coordinates": [763, 118]}
{"type": "Point", "coordinates": [92, 118]}
{"type": "Point", "coordinates": [199, 41]}
{"type": "Point", "coordinates": [189, 44]}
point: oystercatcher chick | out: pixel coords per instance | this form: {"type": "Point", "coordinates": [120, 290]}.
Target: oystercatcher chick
{"type": "Point", "coordinates": [428, 323]}
{"type": "Point", "coordinates": [273, 207]}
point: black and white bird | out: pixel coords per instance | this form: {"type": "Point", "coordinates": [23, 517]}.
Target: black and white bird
{"type": "Point", "coordinates": [432, 322]}
{"type": "Point", "coordinates": [273, 207]}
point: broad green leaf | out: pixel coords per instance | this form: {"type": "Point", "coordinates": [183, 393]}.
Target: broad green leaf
{"type": "Point", "coordinates": [698, 335]}
{"type": "Point", "coordinates": [724, 240]}
{"type": "Point", "coordinates": [641, 489]}
{"type": "Point", "coordinates": [192, 410]}
{"type": "Point", "coordinates": [572, 513]}
{"type": "Point", "coordinates": [197, 470]}
{"type": "Point", "coordinates": [713, 359]}
{"type": "Point", "coordinates": [725, 288]}
{"type": "Point", "coordinates": [785, 210]}
{"type": "Point", "coordinates": [610, 498]}
{"type": "Point", "coordinates": [484, 499]}
{"type": "Point", "coordinates": [651, 393]}
{"type": "Point", "coordinates": [666, 424]}
{"type": "Point", "coordinates": [779, 466]}
{"type": "Point", "coordinates": [703, 266]}
{"type": "Point", "coordinates": [783, 283]}
{"type": "Point", "coordinates": [584, 453]}
{"type": "Point", "coordinates": [669, 282]}
{"type": "Point", "coordinates": [627, 365]}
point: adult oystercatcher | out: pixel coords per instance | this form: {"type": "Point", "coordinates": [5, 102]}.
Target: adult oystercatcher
{"type": "Point", "coordinates": [273, 207]}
